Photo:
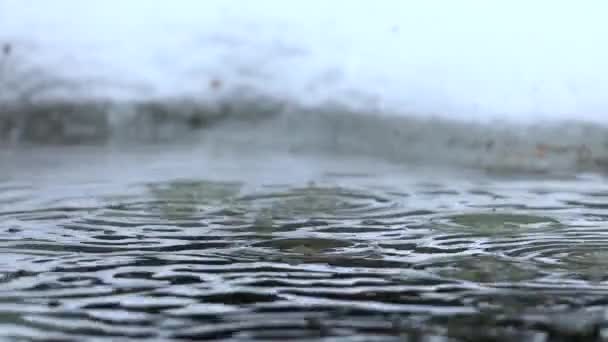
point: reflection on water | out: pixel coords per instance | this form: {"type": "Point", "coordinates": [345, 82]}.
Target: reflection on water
{"type": "Point", "coordinates": [169, 246]}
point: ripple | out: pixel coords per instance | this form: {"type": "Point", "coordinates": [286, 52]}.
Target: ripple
{"type": "Point", "coordinates": [485, 269]}
{"type": "Point", "coordinates": [305, 245]}
{"type": "Point", "coordinates": [320, 202]}
{"type": "Point", "coordinates": [345, 255]}
{"type": "Point", "coordinates": [499, 223]}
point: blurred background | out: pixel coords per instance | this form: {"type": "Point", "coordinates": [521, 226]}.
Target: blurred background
{"type": "Point", "coordinates": [440, 68]}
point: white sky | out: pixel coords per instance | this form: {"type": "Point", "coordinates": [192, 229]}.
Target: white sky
{"type": "Point", "coordinates": [468, 58]}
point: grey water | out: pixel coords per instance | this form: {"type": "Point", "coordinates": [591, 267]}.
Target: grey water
{"type": "Point", "coordinates": [182, 241]}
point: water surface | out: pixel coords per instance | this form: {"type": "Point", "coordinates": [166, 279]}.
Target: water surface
{"type": "Point", "coordinates": [182, 242]}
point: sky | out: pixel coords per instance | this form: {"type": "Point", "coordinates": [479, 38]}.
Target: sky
{"type": "Point", "coordinates": [516, 60]}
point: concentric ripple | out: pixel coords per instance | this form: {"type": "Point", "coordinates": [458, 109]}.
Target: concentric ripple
{"type": "Point", "coordinates": [197, 253]}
